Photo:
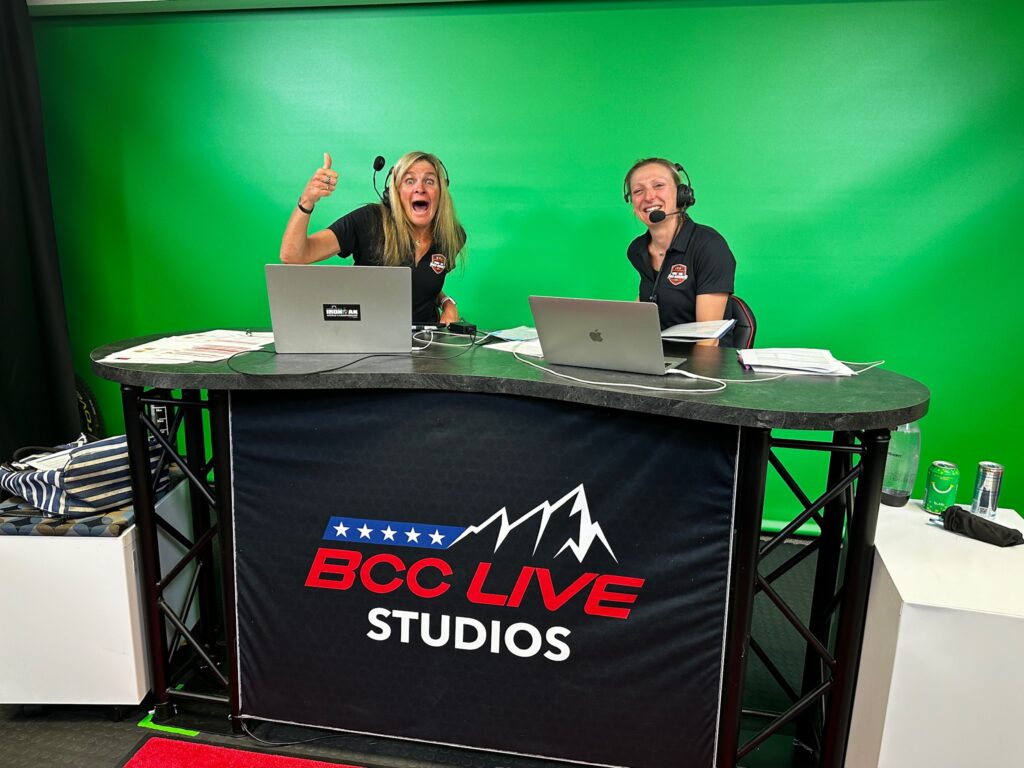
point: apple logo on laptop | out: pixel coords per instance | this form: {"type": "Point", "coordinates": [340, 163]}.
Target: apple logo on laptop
{"type": "Point", "coordinates": [595, 335]}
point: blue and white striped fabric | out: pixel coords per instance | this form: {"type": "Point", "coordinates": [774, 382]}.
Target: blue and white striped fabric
{"type": "Point", "coordinates": [93, 477]}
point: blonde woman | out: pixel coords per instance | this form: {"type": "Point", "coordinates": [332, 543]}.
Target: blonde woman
{"type": "Point", "coordinates": [414, 225]}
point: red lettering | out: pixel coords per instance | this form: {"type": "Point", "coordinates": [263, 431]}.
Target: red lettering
{"type": "Point", "coordinates": [609, 596]}
{"type": "Point", "coordinates": [602, 594]}
{"type": "Point", "coordinates": [413, 577]}
{"type": "Point", "coordinates": [476, 594]}
{"type": "Point", "coordinates": [366, 574]}
{"type": "Point", "coordinates": [519, 590]}
{"type": "Point", "coordinates": [554, 600]}
{"type": "Point", "coordinates": [322, 567]}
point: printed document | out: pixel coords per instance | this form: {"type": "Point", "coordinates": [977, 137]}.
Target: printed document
{"type": "Point", "coordinates": [706, 329]}
{"type": "Point", "coordinates": [205, 347]}
{"type": "Point", "coordinates": [791, 360]}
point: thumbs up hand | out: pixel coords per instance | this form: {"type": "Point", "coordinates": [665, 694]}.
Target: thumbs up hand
{"type": "Point", "coordinates": [321, 185]}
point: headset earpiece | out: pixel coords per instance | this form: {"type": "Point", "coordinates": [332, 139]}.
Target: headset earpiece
{"type": "Point", "coordinates": [684, 192]}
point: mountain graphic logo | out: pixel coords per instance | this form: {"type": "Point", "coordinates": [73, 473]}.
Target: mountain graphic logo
{"type": "Point", "coordinates": [590, 531]}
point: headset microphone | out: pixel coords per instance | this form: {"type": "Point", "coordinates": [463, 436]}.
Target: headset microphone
{"type": "Point", "coordinates": [659, 216]}
{"type": "Point", "coordinates": [379, 163]}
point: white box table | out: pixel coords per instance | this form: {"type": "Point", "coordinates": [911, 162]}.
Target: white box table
{"type": "Point", "coordinates": [71, 614]}
{"type": "Point", "coordinates": [941, 684]}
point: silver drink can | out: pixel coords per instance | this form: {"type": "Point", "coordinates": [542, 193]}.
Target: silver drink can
{"type": "Point", "coordinates": [986, 489]}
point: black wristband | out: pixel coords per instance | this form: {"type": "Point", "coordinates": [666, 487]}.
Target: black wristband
{"type": "Point", "coordinates": [306, 211]}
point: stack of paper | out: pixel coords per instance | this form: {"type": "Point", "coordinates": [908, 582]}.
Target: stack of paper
{"type": "Point", "coordinates": [522, 339]}
{"type": "Point", "coordinates": [802, 361]}
{"type": "Point", "coordinates": [206, 347]}
{"type": "Point", "coordinates": [706, 329]}
{"type": "Point", "coordinates": [519, 333]}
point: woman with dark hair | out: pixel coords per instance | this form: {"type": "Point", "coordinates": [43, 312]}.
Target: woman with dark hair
{"type": "Point", "coordinates": [414, 225]}
{"type": "Point", "coordinates": [686, 268]}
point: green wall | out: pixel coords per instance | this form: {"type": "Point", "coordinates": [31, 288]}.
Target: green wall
{"type": "Point", "coordinates": [863, 159]}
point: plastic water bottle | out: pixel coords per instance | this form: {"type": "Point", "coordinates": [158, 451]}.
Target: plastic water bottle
{"type": "Point", "coordinates": [901, 464]}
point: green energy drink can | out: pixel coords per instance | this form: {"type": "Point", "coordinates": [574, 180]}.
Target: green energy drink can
{"type": "Point", "coordinates": [940, 491]}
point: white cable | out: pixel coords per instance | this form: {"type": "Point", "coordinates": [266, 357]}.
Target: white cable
{"type": "Point", "coordinates": [618, 384]}
{"type": "Point", "coordinates": [728, 381]}
{"type": "Point", "coordinates": [430, 342]}
{"type": "Point", "coordinates": [868, 368]}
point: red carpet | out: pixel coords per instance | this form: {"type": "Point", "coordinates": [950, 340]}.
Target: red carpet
{"type": "Point", "coordinates": [158, 752]}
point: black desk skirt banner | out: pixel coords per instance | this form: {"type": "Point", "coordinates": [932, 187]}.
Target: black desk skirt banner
{"type": "Point", "coordinates": [511, 574]}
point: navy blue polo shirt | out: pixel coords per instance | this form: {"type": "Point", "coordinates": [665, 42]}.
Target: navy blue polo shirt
{"type": "Point", "coordinates": [698, 261]}
{"type": "Point", "coordinates": [360, 234]}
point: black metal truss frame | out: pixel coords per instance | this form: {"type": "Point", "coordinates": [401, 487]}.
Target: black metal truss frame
{"type": "Point", "coordinates": [846, 513]}
{"type": "Point", "coordinates": [210, 503]}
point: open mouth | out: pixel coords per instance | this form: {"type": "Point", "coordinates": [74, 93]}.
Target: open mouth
{"type": "Point", "coordinates": [420, 206]}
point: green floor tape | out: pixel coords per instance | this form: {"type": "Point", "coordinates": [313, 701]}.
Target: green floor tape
{"type": "Point", "coordinates": [147, 722]}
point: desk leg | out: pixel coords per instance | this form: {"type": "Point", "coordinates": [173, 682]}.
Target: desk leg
{"type": "Point", "coordinates": [753, 467]}
{"type": "Point", "coordinates": [149, 552]}
{"type": "Point", "coordinates": [859, 559]}
{"type": "Point", "coordinates": [826, 576]}
{"type": "Point", "coordinates": [220, 436]}
{"type": "Point", "coordinates": [195, 456]}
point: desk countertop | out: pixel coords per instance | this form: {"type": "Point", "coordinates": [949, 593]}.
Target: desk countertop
{"type": "Point", "coordinates": [875, 400]}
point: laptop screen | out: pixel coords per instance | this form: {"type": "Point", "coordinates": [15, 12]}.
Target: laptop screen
{"type": "Point", "coordinates": [595, 333]}
{"type": "Point", "coordinates": [340, 309]}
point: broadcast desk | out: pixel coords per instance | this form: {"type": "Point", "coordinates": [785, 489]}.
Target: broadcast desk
{"type": "Point", "coordinates": [486, 413]}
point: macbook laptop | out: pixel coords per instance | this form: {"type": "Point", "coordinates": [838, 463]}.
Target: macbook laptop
{"type": "Point", "coordinates": [594, 333]}
{"type": "Point", "coordinates": [340, 309]}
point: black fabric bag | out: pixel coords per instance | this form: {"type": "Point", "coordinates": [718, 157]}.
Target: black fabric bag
{"type": "Point", "coordinates": [959, 520]}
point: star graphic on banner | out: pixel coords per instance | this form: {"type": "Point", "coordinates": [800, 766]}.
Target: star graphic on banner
{"type": "Point", "coordinates": [364, 532]}
{"type": "Point", "coordinates": [436, 537]}
{"type": "Point", "coordinates": [341, 530]}
{"type": "Point", "coordinates": [412, 535]}
{"type": "Point", "coordinates": [389, 533]}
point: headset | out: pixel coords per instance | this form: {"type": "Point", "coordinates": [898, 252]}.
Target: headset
{"type": "Point", "coordinates": [684, 192]}
{"type": "Point", "coordinates": [385, 197]}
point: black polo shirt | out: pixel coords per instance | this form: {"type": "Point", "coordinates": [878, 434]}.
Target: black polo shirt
{"type": "Point", "coordinates": [698, 261]}
{"type": "Point", "coordinates": [360, 234]}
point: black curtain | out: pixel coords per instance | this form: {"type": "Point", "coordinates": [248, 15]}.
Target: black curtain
{"type": "Point", "coordinates": [38, 405]}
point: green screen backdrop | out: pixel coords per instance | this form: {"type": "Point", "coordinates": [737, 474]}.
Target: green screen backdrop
{"type": "Point", "coordinates": [863, 159]}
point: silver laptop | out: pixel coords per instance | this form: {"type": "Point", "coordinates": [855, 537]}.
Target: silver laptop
{"type": "Point", "coordinates": [340, 309]}
{"type": "Point", "coordinates": [593, 333]}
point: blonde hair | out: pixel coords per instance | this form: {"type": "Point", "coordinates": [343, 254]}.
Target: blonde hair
{"type": "Point", "coordinates": [399, 239]}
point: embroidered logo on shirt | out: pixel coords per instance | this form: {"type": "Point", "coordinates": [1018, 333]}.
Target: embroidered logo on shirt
{"type": "Point", "coordinates": [438, 262]}
{"type": "Point", "coordinates": [677, 275]}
